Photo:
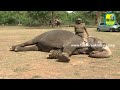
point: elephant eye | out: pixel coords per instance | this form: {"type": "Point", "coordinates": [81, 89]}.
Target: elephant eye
{"type": "Point", "coordinates": [104, 43]}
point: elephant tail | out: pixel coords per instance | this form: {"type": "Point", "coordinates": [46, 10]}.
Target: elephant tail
{"type": "Point", "coordinates": [106, 53]}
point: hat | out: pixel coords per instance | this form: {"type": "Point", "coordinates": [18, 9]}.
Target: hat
{"type": "Point", "coordinates": [79, 19]}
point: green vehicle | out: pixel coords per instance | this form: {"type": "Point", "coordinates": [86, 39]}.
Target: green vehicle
{"type": "Point", "coordinates": [103, 27]}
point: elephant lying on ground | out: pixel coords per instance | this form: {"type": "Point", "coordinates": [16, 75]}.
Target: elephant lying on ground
{"type": "Point", "coordinates": [62, 44]}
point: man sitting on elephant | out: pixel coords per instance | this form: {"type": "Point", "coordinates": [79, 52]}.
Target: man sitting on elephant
{"type": "Point", "coordinates": [80, 29]}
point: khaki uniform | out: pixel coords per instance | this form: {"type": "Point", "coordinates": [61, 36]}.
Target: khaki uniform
{"type": "Point", "coordinates": [79, 30]}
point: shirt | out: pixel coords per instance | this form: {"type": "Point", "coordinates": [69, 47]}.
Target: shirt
{"type": "Point", "coordinates": [79, 28]}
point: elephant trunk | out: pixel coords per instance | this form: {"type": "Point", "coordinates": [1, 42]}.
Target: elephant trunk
{"type": "Point", "coordinates": [105, 53]}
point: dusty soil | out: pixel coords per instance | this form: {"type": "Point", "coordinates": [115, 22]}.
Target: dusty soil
{"type": "Point", "coordinates": [34, 65]}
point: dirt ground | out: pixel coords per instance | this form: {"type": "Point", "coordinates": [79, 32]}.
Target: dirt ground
{"type": "Point", "coordinates": [34, 65]}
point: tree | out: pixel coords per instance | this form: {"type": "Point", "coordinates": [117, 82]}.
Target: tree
{"type": "Point", "coordinates": [39, 17]}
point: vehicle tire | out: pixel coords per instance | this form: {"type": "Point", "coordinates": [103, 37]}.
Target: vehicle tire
{"type": "Point", "coordinates": [98, 29]}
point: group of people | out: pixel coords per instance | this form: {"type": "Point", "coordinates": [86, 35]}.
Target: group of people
{"type": "Point", "coordinates": [55, 22]}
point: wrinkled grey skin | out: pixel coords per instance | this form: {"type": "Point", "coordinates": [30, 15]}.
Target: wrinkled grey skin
{"type": "Point", "coordinates": [60, 45]}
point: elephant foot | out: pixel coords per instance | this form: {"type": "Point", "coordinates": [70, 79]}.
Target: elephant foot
{"type": "Point", "coordinates": [12, 48]}
{"type": "Point", "coordinates": [63, 58]}
{"type": "Point", "coordinates": [51, 57]}
{"type": "Point", "coordinates": [54, 54]}
{"type": "Point", "coordinates": [17, 49]}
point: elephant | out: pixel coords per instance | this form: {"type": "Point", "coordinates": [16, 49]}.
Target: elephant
{"type": "Point", "coordinates": [62, 44]}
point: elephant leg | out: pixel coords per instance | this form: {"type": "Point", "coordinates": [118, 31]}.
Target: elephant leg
{"type": "Point", "coordinates": [80, 51]}
{"type": "Point", "coordinates": [31, 42]}
{"type": "Point", "coordinates": [64, 57]}
{"type": "Point", "coordinates": [73, 45]}
{"type": "Point", "coordinates": [69, 49]}
{"type": "Point", "coordinates": [66, 53]}
{"type": "Point", "coordinates": [58, 54]}
{"type": "Point", "coordinates": [27, 48]}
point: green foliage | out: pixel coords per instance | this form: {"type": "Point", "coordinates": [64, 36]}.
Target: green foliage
{"type": "Point", "coordinates": [117, 13]}
{"type": "Point", "coordinates": [87, 17]}
{"type": "Point", "coordinates": [38, 18]}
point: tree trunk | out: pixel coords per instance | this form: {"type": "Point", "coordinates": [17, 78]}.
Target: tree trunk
{"type": "Point", "coordinates": [52, 12]}
{"type": "Point", "coordinates": [98, 17]}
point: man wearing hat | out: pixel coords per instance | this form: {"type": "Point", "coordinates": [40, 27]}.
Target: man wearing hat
{"type": "Point", "coordinates": [80, 29]}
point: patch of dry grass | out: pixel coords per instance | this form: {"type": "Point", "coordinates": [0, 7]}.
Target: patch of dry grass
{"type": "Point", "coordinates": [34, 65]}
